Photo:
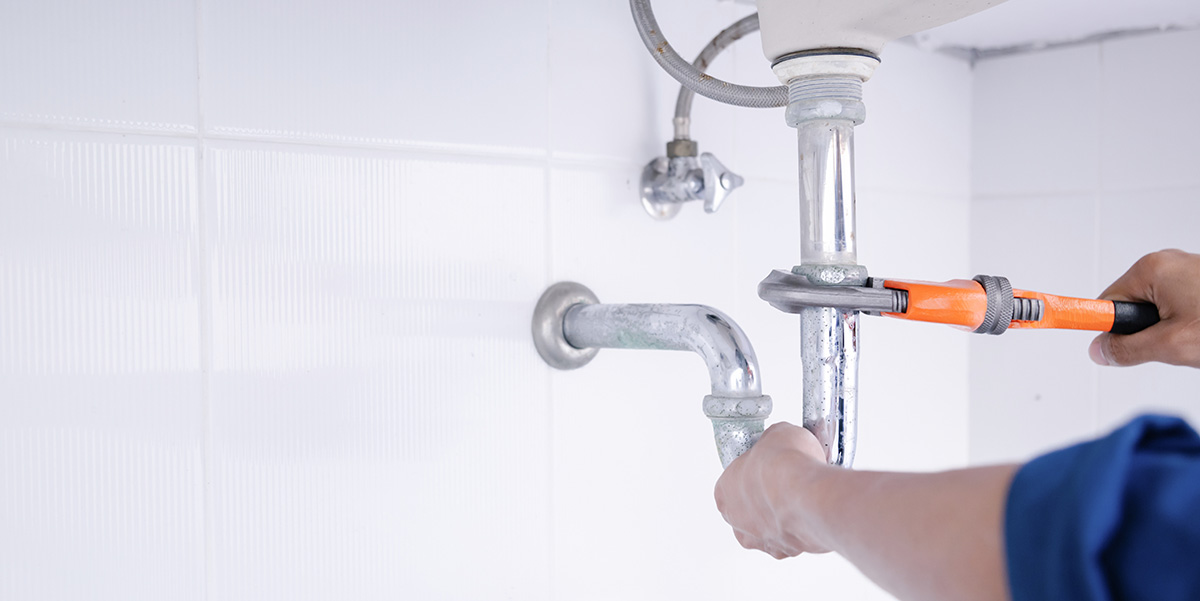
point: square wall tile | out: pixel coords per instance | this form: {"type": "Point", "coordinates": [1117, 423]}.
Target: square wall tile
{"type": "Point", "coordinates": [376, 399]}
{"type": "Point", "coordinates": [127, 65]}
{"type": "Point", "coordinates": [101, 413]}
{"type": "Point", "coordinates": [1138, 222]}
{"type": "Point", "coordinates": [917, 135]}
{"type": "Point", "coordinates": [1037, 123]}
{"type": "Point", "coordinates": [765, 146]}
{"type": "Point", "coordinates": [601, 100]}
{"type": "Point", "coordinates": [1149, 120]}
{"type": "Point", "coordinates": [912, 376]}
{"type": "Point", "coordinates": [1033, 390]}
{"type": "Point", "coordinates": [768, 238]}
{"type": "Point", "coordinates": [914, 236]}
{"type": "Point", "coordinates": [459, 73]}
{"type": "Point", "coordinates": [609, 100]}
{"type": "Point", "coordinates": [1125, 392]}
{"type": "Point", "coordinates": [1048, 244]}
{"type": "Point", "coordinates": [603, 238]}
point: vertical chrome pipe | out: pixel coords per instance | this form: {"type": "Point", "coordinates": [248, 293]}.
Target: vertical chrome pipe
{"type": "Point", "coordinates": [824, 111]}
{"type": "Point", "coordinates": [827, 193]}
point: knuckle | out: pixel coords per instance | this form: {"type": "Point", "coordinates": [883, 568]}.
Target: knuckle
{"type": "Point", "coordinates": [1160, 261]}
{"type": "Point", "coordinates": [1152, 263]}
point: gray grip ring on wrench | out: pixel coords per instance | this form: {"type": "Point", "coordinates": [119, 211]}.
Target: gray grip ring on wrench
{"type": "Point", "coordinates": [1000, 302]}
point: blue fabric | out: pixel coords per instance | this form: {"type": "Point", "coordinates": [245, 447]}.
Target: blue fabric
{"type": "Point", "coordinates": [1115, 518]}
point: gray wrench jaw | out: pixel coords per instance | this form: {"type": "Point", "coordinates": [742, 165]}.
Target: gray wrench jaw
{"type": "Point", "coordinates": [790, 293]}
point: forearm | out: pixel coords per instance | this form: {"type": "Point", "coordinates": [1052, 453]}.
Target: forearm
{"type": "Point", "coordinates": [919, 536]}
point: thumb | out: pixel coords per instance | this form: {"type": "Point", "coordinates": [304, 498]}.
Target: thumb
{"type": "Point", "coordinates": [1131, 349]}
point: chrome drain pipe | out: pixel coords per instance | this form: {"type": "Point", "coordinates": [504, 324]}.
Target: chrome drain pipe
{"type": "Point", "coordinates": [824, 105]}
{"type": "Point", "coordinates": [570, 326]}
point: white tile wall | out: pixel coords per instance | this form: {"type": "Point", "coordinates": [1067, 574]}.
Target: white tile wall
{"type": "Point", "coordinates": [1148, 117]}
{"type": "Point", "coordinates": [101, 416]}
{"type": "Point", "coordinates": [350, 292]}
{"type": "Point", "coordinates": [1037, 126]}
{"type": "Point", "coordinates": [916, 103]}
{"type": "Point", "coordinates": [126, 66]}
{"type": "Point", "coordinates": [406, 74]}
{"type": "Point", "coordinates": [280, 351]}
{"type": "Point", "coordinates": [1033, 390]}
{"type": "Point", "coordinates": [1131, 224]}
{"type": "Point", "coordinates": [912, 375]}
{"type": "Point", "coordinates": [1067, 197]}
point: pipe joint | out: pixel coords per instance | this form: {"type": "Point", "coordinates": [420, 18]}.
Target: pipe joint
{"type": "Point", "coordinates": [737, 422]}
{"type": "Point", "coordinates": [825, 97]}
{"type": "Point", "coordinates": [568, 321]}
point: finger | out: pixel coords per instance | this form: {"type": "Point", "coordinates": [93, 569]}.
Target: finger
{"type": "Point", "coordinates": [776, 429]}
{"type": "Point", "coordinates": [1133, 285]}
{"type": "Point", "coordinates": [1132, 349]}
{"type": "Point", "coordinates": [1137, 284]}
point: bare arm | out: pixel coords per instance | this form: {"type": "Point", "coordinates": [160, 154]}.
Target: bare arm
{"type": "Point", "coordinates": [919, 536]}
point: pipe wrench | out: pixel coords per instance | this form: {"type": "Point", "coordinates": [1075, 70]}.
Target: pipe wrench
{"type": "Point", "coordinates": [984, 304]}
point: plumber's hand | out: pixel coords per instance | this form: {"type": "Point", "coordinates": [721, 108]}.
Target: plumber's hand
{"type": "Point", "coordinates": [767, 493]}
{"type": "Point", "coordinates": [1171, 280]}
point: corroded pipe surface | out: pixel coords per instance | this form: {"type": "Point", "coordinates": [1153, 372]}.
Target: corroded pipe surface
{"type": "Point", "coordinates": [824, 111]}
{"type": "Point", "coordinates": [726, 350]}
{"type": "Point", "coordinates": [736, 406]}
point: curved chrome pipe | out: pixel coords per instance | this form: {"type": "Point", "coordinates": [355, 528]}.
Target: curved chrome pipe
{"type": "Point", "coordinates": [569, 325]}
{"type": "Point", "coordinates": [732, 365]}
{"type": "Point", "coordinates": [736, 406]}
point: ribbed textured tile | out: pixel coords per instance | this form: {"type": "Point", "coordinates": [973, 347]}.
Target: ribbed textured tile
{"type": "Point", "coordinates": [128, 65]}
{"type": "Point", "coordinates": [378, 408]}
{"type": "Point", "coordinates": [100, 406]}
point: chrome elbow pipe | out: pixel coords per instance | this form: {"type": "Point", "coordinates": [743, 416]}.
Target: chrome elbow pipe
{"type": "Point", "coordinates": [570, 326]}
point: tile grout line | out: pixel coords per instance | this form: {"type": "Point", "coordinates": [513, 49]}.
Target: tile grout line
{"type": "Point", "coordinates": [548, 215]}
{"type": "Point", "coordinates": [969, 410]}
{"type": "Point", "coordinates": [1099, 189]}
{"type": "Point", "coordinates": [399, 150]}
{"type": "Point", "coordinates": [205, 313]}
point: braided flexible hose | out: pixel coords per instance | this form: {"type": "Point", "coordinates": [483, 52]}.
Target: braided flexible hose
{"type": "Point", "coordinates": [731, 34]}
{"type": "Point", "coordinates": [691, 77]}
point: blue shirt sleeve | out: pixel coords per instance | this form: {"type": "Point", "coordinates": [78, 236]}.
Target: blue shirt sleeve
{"type": "Point", "coordinates": [1117, 518]}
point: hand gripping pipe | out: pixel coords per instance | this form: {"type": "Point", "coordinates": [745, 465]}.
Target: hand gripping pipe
{"type": "Point", "coordinates": [570, 326]}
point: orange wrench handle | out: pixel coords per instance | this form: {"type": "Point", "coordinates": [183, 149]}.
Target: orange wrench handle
{"type": "Point", "coordinates": [1066, 313]}
{"type": "Point", "coordinates": [957, 302]}
{"type": "Point", "coordinates": [964, 303]}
